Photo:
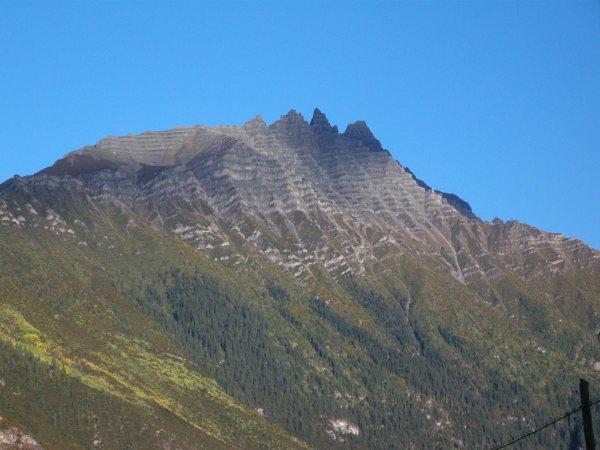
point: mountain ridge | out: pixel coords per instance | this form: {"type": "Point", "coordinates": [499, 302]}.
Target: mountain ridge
{"type": "Point", "coordinates": [292, 165]}
{"type": "Point", "coordinates": [282, 285]}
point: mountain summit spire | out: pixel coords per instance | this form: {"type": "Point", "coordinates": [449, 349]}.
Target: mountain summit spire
{"type": "Point", "coordinates": [359, 130]}
{"type": "Point", "coordinates": [320, 123]}
{"type": "Point", "coordinates": [293, 120]}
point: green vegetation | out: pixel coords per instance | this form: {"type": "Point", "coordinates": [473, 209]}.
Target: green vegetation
{"type": "Point", "coordinates": [123, 334]}
{"type": "Point", "coordinates": [64, 412]}
{"type": "Point", "coordinates": [113, 362]}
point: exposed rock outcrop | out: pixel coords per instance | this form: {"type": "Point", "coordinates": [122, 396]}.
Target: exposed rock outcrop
{"type": "Point", "coordinates": [301, 194]}
{"type": "Point", "coordinates": [12, 438]}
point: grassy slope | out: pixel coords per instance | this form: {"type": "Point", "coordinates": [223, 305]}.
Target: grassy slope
{"type": "Point", "coordinates": [64, 301]}
{"type": "Point", "coordinates": [510, 347]}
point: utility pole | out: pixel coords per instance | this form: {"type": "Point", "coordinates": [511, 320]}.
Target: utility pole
{"type": "Point", "coordinates": [586, 412]}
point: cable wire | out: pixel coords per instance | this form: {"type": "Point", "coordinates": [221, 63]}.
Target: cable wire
{"type": "Point", "coordinates": [546, 425]}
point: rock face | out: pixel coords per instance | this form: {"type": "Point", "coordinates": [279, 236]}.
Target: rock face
{"type": "Point", "coordinates": [12, 438]}
{"type": "Point", "coordinates": [341, 427]}
{"type": "Point", "coordinates": [301, 194]}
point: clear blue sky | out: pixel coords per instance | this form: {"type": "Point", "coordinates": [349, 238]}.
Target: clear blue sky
{"type": "Point", "coordinates": [496, 102]}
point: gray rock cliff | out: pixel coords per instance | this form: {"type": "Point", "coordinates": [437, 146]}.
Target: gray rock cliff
{"type": "Point", "coordinates": [300, 194]}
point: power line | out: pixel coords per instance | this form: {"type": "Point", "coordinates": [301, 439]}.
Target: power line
{"type": "Point", "coordinates": [546, 425]}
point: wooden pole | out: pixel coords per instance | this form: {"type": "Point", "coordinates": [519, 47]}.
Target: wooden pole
{"type": "Point", "coordinates": [586, 412]}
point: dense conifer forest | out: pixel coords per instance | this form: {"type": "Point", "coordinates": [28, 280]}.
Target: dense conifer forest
{"type": "Point", "coordinates": [299, 378]}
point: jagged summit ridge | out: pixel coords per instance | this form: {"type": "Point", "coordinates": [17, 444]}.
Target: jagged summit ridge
{"type": "Point", "coordinates": [301, 194]}
{"type": "Point", "coordinates": [359, 130]}
{"type": "Point", "coordinates": [321, 124]}
{"type": "Point", "coordinates": [167, 148]}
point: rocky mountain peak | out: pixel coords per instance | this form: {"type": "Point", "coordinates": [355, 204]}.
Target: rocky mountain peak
{"type": "Point", "coordinates": [321, 124]}
{"type": "Point", "coordinates": [255, 125]}
{"type": "Point", "coordinates": [291, 119]}
{"type": "Point", "coordinates": [336, 200]}
{"type": "Point", "coordinates": [257, 121]}
{"type": "Point", "coordinates": [196, 240]}
{"type": "Point", "coordinates": [359, 130]}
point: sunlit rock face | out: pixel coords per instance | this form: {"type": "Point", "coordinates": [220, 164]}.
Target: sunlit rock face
{"type": "Point", "coordinates": [301, 194]}
{"type": "Point", "coordinates": [12, 438]}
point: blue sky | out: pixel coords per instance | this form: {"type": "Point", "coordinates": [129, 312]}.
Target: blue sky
{"type": "Point", "coordinates": [498, 102]}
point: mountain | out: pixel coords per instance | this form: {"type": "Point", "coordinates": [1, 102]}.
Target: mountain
{"type": "Point", "coordinates": [280, 286]}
